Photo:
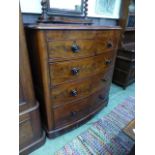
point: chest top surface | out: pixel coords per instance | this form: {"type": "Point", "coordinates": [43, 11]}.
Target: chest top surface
{"type": "Point", "coordinates": [70, 26]}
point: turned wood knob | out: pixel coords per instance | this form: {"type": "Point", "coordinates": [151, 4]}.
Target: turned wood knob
{"type": "Point", "coordinates": [108, 61]}
{"type": "Point", "coordinates": [109, 44]}
{"type": "Point", "coordinates": [73, 113]}
{"type": "Point", "coordinates": [75, 71]}
{"type": "Point", "coordinates": [74, 92]}
{"type": "Point", "coordinates": [103, 80]}
{"type": "Point", "coordinates": [75, 48]}
{"type": "Point", "coordinates": [102, 97]}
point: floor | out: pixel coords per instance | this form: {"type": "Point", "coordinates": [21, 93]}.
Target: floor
{"type": "Point", "coordinates": [117, 95]}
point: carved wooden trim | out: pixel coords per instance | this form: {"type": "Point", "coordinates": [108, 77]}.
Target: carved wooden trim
{"type": "Point", "coordinates": [85, 7]}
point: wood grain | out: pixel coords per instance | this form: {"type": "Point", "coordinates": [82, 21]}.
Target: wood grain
{"type": "Point", "coordinates": [62, 94]}
{"type": "Point", "coordinates": [63, 50]}
{"type": "Point", "coordinates": [77, 110]}
{"type": "Point", "coordinates": [30, 131]}
{"type": "Point", "coordinates": [129, 129]}
{"type": "Point", "coordinates": [61, 72]}
{"type": "Point", "coordinates": [25, 88]}
{"type": "Point", "coordinates": [59, 35]}
{"type": "Point", "coordinates": [25, 133]}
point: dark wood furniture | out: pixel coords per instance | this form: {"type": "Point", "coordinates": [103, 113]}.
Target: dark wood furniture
{"type": "Point", "coordinates": [31, 135]}
{"type": "Point", "coordinates": [128, 130]}
{"type": "Point", "coordinates": [48, 14]}
{"type": "Point", "coordinates": [124, 72]}
{"type": "Point", "coordinates": [72, 69]}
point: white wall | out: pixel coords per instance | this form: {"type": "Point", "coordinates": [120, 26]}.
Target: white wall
{"type": "Point", "coordinates": [30, 6]}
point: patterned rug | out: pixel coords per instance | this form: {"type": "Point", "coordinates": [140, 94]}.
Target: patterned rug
{"type": "Point", "coordinates": [105, 137]}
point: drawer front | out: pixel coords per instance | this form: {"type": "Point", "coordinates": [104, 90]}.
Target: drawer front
{"type": "Point", "coordinates": [55, 35]}
{"type": "Point", "coordinates": [66, 50]}
{"type": "Point", "coordinates": [73, 70]}
{"type": "Point", "coordinates": [124, 64]}
{"type": "Point", "coordinates": [120, 76]}
{"type": "Point", "coordinates": [72, 112]}
{"type": "Point", "coordinates": [102, 95]}
{"type": "Point", "coordinates": [126, 54]}
{"type": "Point", "coordinates": [100, 98]}
{"type": "Point", "coordinates": [76, 90]}
{"type": "Point", "coordinates": [25, 132]}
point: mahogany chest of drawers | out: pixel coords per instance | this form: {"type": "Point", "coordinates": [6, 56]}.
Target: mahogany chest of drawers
{"type": "Point", "coordinates": [72, 70]}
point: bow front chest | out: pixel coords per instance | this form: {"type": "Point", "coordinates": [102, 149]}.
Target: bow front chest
{"type": "Point", "coordinates": [72, 70]}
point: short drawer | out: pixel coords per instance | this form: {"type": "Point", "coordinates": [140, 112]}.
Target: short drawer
{"type": "Point", "coordinates": [66, 50]}
{"type": "Point", "coordinates": [76, 90]}
{"type": "Point", "coordinates": [75, 69]}
{"type": "Point", "coordinates": [55, 35]}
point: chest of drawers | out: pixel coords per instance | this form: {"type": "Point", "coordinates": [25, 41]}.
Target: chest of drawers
{"type": "Point", "coordinates": [124, 72]}
{"type": "Point", "coordinates": [72, 70]}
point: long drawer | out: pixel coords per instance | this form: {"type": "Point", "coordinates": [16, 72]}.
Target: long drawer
{"type": "Point", "coordinates": [75, 69]}
{"type": "Point", "coordinates": [79, 34]}
{"type": "Point", "coordinates": [76, 90]}
{"type": "Point", "coordinates": [70, 113]}
{"type": "Point", "coordinates": [74, 49]}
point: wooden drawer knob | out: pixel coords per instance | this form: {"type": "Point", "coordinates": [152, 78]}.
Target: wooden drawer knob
{"type": "Point", "coordinates": [103, 80]}
{"type": "Point", "coordinates": [109, 44]}
{"type": "Point", "coordinates": [73, 113]}
{"type": "Point", "coordinates": [75, 48]}
{"type": "Point", "coordinates": [108, 61]}
{"type": "Point", "coordinates": [74, 92]}
{"type": "Point", "coordinates": [102, 97]}
{"type": "Point", "coordinates": [75, 71]}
